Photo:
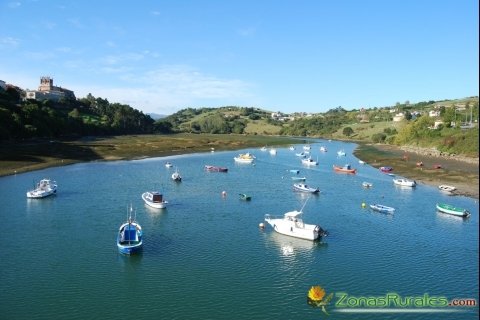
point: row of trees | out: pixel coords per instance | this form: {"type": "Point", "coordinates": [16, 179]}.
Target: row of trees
{"type": "Point", "coordinates": [48, 119]}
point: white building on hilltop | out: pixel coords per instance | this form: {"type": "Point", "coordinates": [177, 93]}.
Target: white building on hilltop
{"type": "Point", "coordinates": [47, 90]}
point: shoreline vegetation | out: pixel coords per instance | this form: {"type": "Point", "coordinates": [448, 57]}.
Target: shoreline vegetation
{"type": "Point", "coordinates": [33, 155]}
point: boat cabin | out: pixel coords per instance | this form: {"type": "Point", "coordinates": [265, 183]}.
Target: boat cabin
{"type": "Point", "coordinates": [157, 197]}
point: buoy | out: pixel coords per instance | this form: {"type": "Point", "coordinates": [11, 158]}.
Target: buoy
{"type": "Point", "coordinates": [224, 194]}
{"type": "Point", "coordinates": [261, 225]}
{"type": "Point", "coordinates": [364, 204]}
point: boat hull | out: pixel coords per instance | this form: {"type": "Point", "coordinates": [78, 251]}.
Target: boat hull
{"type": "Point", "coordinates": [157, 205]}
{"type": "Point", "coordinates": [38, 195]}
{"type": "Point", "coordinates": [343, 170]}
{"type": "Point", "coordinates": [448, 209]}
{"type": "Point", "coordinates": [382, 209]}
{"type": "Point", "coordinates": [279, 225]}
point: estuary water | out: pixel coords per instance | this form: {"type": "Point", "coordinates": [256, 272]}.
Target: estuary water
{"type": "Point", "coordinates": [205, 257]}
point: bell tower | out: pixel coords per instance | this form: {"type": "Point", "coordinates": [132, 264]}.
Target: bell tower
{"type": "Point", "coordinates": [46, 84]}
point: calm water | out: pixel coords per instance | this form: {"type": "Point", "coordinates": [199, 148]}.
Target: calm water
{"type": "Point", "coordinates": [206, 258]}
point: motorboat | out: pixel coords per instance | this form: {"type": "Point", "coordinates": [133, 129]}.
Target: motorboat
{"type": "Point", "coordinates": [345, 169]}
{"type": "Point", "coordinates": [273, 151]}
{"type": "Point", "coordinates": [176, 176]}
{"type": "Point", "coordinates": [44, 188]}
{"type": "Point", "coordinates": [366, 184]}
{"type": "Point", "coordinates": [299, 178]}
{"type": "Point", "coordinates": [341, 153]}
{"type": "Point", "coordinates": [404, 182]}
{"type": "Point", "coordinates": [263, 149]}
{"type": "Point", "coordinates": [154, 199]}
{"type": "Point", "coordinates": [291, 224]}
{"type": "Point", "coordinates": [386, 169]}
{"type": "Point", "coordinates": [168, 164]}
{"type": "Point", "coordinates": [449, 209]}
{"type": "Point", "coordinates": [215, 168]}
{"type": "Point", "coordinates": [294, 171]}
{"type": "Point", "coordinates": [302, 187]}
{"type": "Point", "coordinates": [245, 197]}
{"type": "Point", "coordinates": [446, 188]}
{"type": "Point", "coordinates": [323, 149]}
{"type": "Point", "coordinates": [292, 148]}
{"type": "Point", "coordinates": [309, 162]}
{"type": "Point", "coordinates": [382, 208]}
{"type": "Point", "coordinates": [244, 158]}
{"type": "Point", "coordinates": [300, 154]}
{"type": "Point", "coordinates": [130, 236]}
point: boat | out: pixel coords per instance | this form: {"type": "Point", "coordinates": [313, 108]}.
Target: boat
{"type": "Point", "coordinates": [382, 208]}
{"type": "Point", "coordinates": [323, 149]}
{"type": "Point", "coordinates": [449, 209]}
{"type": "Point", "coordinates": [366, 184]}
{"type": "Point", "coordinates": [244, 158]}
{"type": "Point", "coordinates": [176, 176]}
{"type": "Point", "coordinates": [306, 147]}
{"type": "Point", "coordinates": [309, 162]}
{"type": "Point", "coordinates": [341, 153]}
{"type": "Point", "coordinates": [361, 162]}
{"type": "Point", "coordinates": [215, 168]}
{"type": "Point", "coordinates": [404, 182]}
{"type": "Point", "coordinates": [273, 151]}
{"type": "Point", "coordinates": [447, 188]}
{"type": "Point", "coordinates": [291, 148]}
{"type": "Point", "coordinates": [301, 154]}
{"type": "Point", "coordinates": [346, 169]}
{"type": "Point", "coordinates": [44, 188]}
{"type": "Point", "coordinates": [294, 171]}
{"type": "Point", "coordinates": [419, 164]}
{"type": "Point", "coordinates": [130, 236]}
{"type": "Point", "coordinates": [299, 178]}
{"type": "Point", "coordinates": [291, 224]}
{"type": "Point", "coordinates": [386, 169]}
{"type": "Point", "coordinates": [437, 166]}
{"type": "Point", "coordinates": [154, 199]}
{"type": "Point", "coordinates": [168, 165]}
{"type": "Point", "coordinates": [245, 197]}
{"type": "Point", "coordinates": [302, 187]}
{"type": "Point", "coordinates": [263, 149]}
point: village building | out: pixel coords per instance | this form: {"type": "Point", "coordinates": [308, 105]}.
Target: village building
{"type": "Point", "coordinates": [47, 91]}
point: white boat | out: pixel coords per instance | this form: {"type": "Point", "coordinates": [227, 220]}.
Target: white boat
{"type": "Point", "coordinates": [404, 182]}
{"type": "Point", "coordinates": [263, 149]}
{"type": "Point", "coordinates": [44, 188]}
{"type": "Point", "coordinates": [299, 178]}
{"type": "Point", "coordinates": [307, 147]}
{"type": "Point", "coordinates": [323, 149]}
{"type": "Point", "coordinates": [168, 165]}
{"type": "Point", "coordinates": [176, 176]}
{"type": "Point", "coordinates": [447, 188]}
{"type": "Point", "coordinates": [292, 148]}
{"type": "Point", "coordinates": [309, 162]}
{"type": "Point", "coordinates": [273, 151]}
{"type": "Point", "coordinates": [301, 154]}
{"type": "Point", "coordinates": [291, 224]}
{"type": "Point", "coordinates": [366, 184]}
{"type": "Point", "coordinates": [382, 208]}
{"type": "Point", "coordinates": [154, 199]}
{"type": "Point", "coordinates": [361, 161]}
{"type": "Point", "coordinates": [341, 153]}
{"type": "Point", "coordinates": [449, 209]}
{"type": "Point", "coordinates": [244, 158]}
{"type": "Point", "coordinates": [302, 187]}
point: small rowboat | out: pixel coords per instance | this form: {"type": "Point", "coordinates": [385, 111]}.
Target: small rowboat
{"type": "Point", "coordinates": [345, 169]}
{"type": "Point", "coordinates": [449, 209]}
{"type": "Point", "coordinates": [446, 188]}
{"type": "Point", "coordinates": [299, 178]}
{"type": "Point", "coordinates": [382, 208]}
{"type": "Point", "coordinates": [386, 169]}
{"type": "Point", "coordinates": [215, 169]}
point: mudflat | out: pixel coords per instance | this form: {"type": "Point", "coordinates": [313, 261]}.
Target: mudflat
{"type": "Point", "coordinates": [424, 167]}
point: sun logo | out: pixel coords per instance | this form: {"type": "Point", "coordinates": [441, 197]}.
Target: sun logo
{"type": "Point", "coordinates": [316, 298]}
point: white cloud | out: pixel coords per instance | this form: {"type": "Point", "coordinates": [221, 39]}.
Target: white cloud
{"type": "Point", "coordinates": [9, 42]}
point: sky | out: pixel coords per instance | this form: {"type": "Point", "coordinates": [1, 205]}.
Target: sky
{"type": "Point", "coordinates": [279, 55]}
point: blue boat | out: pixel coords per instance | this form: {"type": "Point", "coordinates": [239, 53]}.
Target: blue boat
{"type": "Point", "coordinates": [130, 236]}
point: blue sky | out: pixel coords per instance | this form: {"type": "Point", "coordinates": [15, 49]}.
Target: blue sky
{"type": "Point", "coordinates": [280, 55]}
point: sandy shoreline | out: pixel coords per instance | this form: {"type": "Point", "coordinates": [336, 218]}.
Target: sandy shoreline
{"type": "Point", "coordinates": [458, 171]}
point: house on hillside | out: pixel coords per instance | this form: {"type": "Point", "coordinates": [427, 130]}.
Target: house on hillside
{"type": "Point", "coordinates": [47, 91]}
{"type": "Point", "coordinates": [434, 113]}
{"type": "Point", "coordinates": [399, 117]}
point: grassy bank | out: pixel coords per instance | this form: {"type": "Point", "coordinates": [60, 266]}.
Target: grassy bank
{"type": "Point", "coordinates": [460, 174]}
{"type": "Point", "coordinates": [35, 155]}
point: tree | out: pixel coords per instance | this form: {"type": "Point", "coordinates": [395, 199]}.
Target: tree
{"type": "Point", "coordinates": [347, 131]}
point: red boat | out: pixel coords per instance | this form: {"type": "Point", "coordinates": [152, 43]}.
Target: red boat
{"type": "Point", "coordinates": [386, 169]}
{"type": "Point", "coordinates": [215, 169]}
{"type": "Point", "coordinates": [346, 169]}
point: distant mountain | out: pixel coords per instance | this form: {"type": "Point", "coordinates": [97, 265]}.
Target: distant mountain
{"type": "Point", "coordinates": [156, 116]}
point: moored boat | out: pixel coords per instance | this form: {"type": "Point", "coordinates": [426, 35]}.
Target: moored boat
{"type": "Point", "coordinates": [366, 184]}
{"type": "Point", "coordinates": [215, 168]}
{"type": "Point", "coordinates": [449, 209]}
{"type": "Point", "coordinates": [273, 151]}
{"type": "Point", "coordinates": [341, 153]}
{"type": "Point", "coordinates": [291, 224]}
{"type": "Point", "coordinates": [346, 169]}
{"type": "Point", "coordinates": [168, 164]}
{"type": "Point", "coordinates": [130, 236]}
{"type": "Point", "coordinates": [309, 162]}
{"type": "Point", "coordinates": [176, 176]}
{"type": "Point", "coordinates": [301, 154]}
{"type": "Point", "coordinates": [302, 187]}
{"type": "Point", "coordinates": [446, 188]}
{"type": "Point", "coordinates": [404, 182]}
{"type": "Point", "coordinates": [244, 158]}
{"type": "Point", "coordinates": [382, 208]}
{"type": "Point", "coordinates": [386, 169]}
{"type": "Point", "coordinates": [299, 178]}
{"type": "Point", "coordinates": [154, 199]}
{"type": "Point", "coordinates": [44, 188]}
{"type": "Point", "coordinates": [245, 197]}
{"type": "Point", "coordinates": [323, 149]}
